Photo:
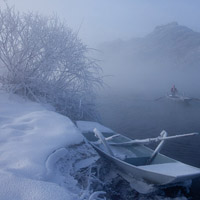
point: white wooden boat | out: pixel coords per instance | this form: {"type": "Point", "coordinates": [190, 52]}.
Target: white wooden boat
{"type": "Point", "coordinates": [135, 159]}
{"type": "Point", "coordinates": [179, 98]}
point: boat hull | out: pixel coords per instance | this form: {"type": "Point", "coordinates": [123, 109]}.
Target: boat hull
{"type": "Point", "coordinates": [135, 172]}
{"type": "Point", "coordinates": [179, 98]}
{"type": "Point", "coordinates": [144, 174]}
{"type": "Point", "coordinates": [134, 160]}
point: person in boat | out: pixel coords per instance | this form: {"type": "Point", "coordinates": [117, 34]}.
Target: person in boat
{"type": "Point", "coordinates": [174, 91]}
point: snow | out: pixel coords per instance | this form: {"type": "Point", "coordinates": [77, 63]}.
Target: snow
{"type": "Point", "coordinates": [43, 155]}
{"type": "Point", "coordinates": [32, 139]}
{"type": "Point", "coordinates": [17, 188]}
{"type": "Point", "coordinates": [86, 126]}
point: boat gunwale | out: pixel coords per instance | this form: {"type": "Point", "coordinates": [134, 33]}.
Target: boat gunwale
{"type": "Point", "coordinates": [173, 178]}
{"type": "Point", "coordinates": [170, 179]}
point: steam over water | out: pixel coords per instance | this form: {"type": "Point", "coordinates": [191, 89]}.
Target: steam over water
{"type": "Point", "coordinates": [142, 117]}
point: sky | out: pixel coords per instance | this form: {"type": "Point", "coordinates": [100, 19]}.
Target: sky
{"type": "Point", "coordinates": [97, 21]}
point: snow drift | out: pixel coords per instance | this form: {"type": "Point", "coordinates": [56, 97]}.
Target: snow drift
{"type": "Point", "coordinates": [29, 135]}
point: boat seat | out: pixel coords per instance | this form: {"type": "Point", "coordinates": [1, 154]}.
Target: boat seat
{"type": "Point", "coordinates": [137, 161]}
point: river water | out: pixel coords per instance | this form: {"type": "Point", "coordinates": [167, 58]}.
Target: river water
{"type": "Point", "coordinates": [142, 117]}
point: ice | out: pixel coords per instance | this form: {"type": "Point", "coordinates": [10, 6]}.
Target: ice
{"type": "Point", "coordinates": [96, 194]}
{"type": "Point", "coordinates": [52, 160]}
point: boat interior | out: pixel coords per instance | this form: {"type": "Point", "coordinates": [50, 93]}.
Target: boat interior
{"type": "Point", "coordinates": [137, 154]}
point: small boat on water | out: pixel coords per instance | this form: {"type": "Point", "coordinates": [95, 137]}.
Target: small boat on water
{"type": "Point", "coordinates": [175, 96]}
{"type": "Point", "coordinates": [179, 98]}
{"type": "Point", "coordinates": [136, 160]}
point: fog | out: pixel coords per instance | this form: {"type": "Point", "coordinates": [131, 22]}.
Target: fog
{"type": "Point", "coordinates": [104, 20]}
{"type": "Point", "coordinates": [143, 47]}
{"type": "Point", "coordinates": [136, 57]}
{"type": "Point", "coordinates": [152, 63]}
{"type": "Point", "coordinates": [100, 22]}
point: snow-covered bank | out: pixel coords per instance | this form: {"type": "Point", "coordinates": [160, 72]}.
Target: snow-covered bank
{"type": "Point", "coordinates": [43, 157]}
{"type": "Point", "coordinates": [29, 135]}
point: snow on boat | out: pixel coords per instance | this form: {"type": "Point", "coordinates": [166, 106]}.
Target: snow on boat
{"type": "Point", "coordinates": [135, 159]}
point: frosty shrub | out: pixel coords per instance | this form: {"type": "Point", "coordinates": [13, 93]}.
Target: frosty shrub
{"type": "Point", "coordinates": [42, 59]}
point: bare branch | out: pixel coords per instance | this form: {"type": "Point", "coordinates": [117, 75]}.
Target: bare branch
{"type": "Point", "coordinates": [44, 60]}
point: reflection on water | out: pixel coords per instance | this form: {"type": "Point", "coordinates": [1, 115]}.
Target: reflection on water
{"type": "Point", "coordinates": [138, 117]}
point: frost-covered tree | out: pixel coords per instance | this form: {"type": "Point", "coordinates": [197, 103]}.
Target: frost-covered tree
{"type": "Point", "coordinates": [42, 59]}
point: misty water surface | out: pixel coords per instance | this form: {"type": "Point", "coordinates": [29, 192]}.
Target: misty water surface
{"type": "Point", "coordinates": [139, 116]}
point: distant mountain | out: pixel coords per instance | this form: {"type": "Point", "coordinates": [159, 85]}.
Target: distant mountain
{"type": "Point", "coordinates": [170, 45]}
{"type": "Point", "coordinates": [170, 54]}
